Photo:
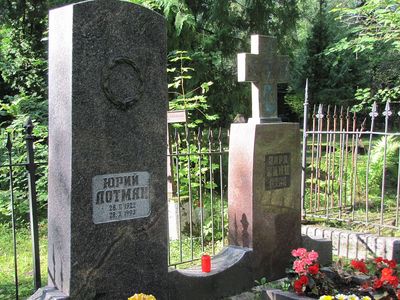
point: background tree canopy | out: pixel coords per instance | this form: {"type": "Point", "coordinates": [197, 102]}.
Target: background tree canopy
{"type": "Point", "coordinates": [348, 49]}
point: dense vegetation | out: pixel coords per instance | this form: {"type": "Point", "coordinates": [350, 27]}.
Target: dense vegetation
{"type": "Point", "coordinates": [349, 50]}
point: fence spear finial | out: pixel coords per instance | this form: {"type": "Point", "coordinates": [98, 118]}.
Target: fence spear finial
{"type": "Point", "coordinates": [306, 93]}
{"type": "Point", "coordinates": [374, 111]}
{"type": "Point", "coordinates": [9, 143]}
{"type": "Point", "coordinates": [29, 126]}
{"type": "Point", "coordinates": [387, 113]}
{"type": "Point", "coordinates": [320, 114]}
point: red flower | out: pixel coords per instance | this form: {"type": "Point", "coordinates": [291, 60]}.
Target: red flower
{"type": "Point", "coordinates": [377, 283]}
{"type": "Point", "coordinates": [303, 279]}
{"type": "Point", "coordinates": [392, 264]}
{"type": "Point", "coordinates": [393, 281]}
{"type": "Point", "coordinates": [378, 259]}
{"type": "Point", "coordinates": [298, 287]}
{"type": "Point", "coordinates": [314, 269]}
{"type": "Point", "coordinates": [299, 283]}
{"type": "Point", "coordinates": [386, 273]}
{"type": "Point", "coordinates": [365, 285]}
{"type": "Point", "coordinates": [359, 265]}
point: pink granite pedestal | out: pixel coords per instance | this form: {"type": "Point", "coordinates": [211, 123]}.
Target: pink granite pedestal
{"type": "Point", "coordinates": [264, 194]}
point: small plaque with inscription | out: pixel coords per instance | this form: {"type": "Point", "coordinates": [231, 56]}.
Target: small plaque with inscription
{"type": "Point", "coordinates": [277, 171]}
{"type": "Point", "coordinates": [118, 197]}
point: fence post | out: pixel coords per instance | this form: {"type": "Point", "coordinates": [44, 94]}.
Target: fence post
{"type": "Point", "coordinates": [13, 220]}
{"type": "Point", "coordinates": [31, 168]}
{"type": "Point", "coordinates": [304, 152]}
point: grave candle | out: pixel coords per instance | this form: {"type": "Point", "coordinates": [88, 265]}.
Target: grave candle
{"type": "Point", "coordinates": [206, 263]}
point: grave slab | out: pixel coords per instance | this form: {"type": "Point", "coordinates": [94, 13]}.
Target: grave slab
{"type": "Point", "coordinates": [320, 245]}
{"type": "Point", "coordinates": [230, 274]}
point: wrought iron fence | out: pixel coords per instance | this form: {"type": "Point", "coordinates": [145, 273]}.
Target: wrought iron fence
{"type": "Point", "coordinates": [197, 193]}
{"type": "Point", "coordinates": [18, 176]}
{"type": "Point", "coordinates": [351, 166]}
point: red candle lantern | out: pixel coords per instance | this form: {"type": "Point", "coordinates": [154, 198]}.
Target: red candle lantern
{"type": "Point", "coordinates": [206, 263]}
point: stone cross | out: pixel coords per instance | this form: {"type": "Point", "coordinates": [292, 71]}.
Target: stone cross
{"type": "Point", "coordinates": [264, 69]}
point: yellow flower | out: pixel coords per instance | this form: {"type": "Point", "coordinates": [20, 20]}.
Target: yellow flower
{"type": "Point", "coordinates": [341, 297]}
{"type": "Point", "coordinates": [366, 298]}
{"type": "Point", "coordinates": [142, 297]}
{"type": "Point", "coordinates": [326, 297]}
{"type": "Point", "coordinates": [353, 297]}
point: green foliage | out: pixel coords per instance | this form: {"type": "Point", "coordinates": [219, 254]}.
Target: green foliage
{"type": "Point", "coordinates": [332, 78]}
{"type": "Point", "coordinates": [295, 102]}
{"type": "Point", "coordinates": [262, 281]}
{"type": "Point", "coordinates": [196, 172]}
{"type": "Point", "coordinates": [365, 99]}
{"type": "Point", "coordinates": [376, 167]}
{"type": "Point", "coordinates": [20, 181]}
{"type": "Point", "coordinates": [199, 178]}
{"type": "Point", "coordinates": [371, 35]}
{"type": "Point", "coordinates": [23, 93]}
{"type": "Point", "coordinates": [214, 31]}
{"type": "Point", "coordinates": [194, 101]}
{"type": "Point", "coordinates": [24, 246]}
{"type": "Point", "coordinates": [340, 171]}
{"type": "Point", "coordinates": [23, 63]}
{"type": "Point", "coordinates": [373, 23]}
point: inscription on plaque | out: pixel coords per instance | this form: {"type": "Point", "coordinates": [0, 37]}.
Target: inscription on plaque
{"type": "Point", "coordinates": [117, 197]}
{"type": "Point", "coordinates": [277, 171]}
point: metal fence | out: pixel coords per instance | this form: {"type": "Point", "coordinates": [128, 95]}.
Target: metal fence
{"type": "Point", "coordinates": [197, 193]}
{"type": "Point", "coordinates": [197, 196]}
{"type": "Point", "coordinates": [351, 166]}
{"type": "Point", "coordinates": [18, 174]}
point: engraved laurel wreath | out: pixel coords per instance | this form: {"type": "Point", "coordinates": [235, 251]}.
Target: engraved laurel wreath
{"type": "Point", "coordinates": [106, 81]}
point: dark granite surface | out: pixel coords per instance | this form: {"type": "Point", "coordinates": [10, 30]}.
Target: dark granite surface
{"type": "Point", "coordinates": [107, 106]}
{"type": "Point", "coordinates": [230, 274]}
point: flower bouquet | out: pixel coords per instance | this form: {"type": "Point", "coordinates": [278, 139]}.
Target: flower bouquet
{"type": "Point", "coordinates": [370, 279]}
{"type": "Point", "coordinates": [142, 297]}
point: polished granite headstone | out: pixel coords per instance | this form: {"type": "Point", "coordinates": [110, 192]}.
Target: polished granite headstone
{"type": "Point", "coordinates": [264, 194]}
{"type": "Point", "coordinates": [107, 126]}
{"type": "Point", "coordinates": [264, 167]}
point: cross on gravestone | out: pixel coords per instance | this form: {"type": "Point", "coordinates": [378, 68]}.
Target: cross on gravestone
{"type": "Point", "coordinates": [264, 69]}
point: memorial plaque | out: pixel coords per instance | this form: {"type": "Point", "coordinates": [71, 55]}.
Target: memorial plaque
{"type": "Point", "coordinates": [118, 197]}
{"type": "Point", "coordinates": [277, 171]}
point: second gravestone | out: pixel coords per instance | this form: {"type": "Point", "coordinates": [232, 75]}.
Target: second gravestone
{"type": "Point", "coordinates": [264, 167]}
{"type": "Point", "coordinates": [107, 194]}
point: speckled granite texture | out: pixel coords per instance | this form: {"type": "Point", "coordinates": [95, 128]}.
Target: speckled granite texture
{"type": "Point", "coordinates": [107, 115]}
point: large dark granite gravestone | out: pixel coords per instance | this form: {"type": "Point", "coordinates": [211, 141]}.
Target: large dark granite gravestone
{"type": "Point", "coordinates": [107, 194]}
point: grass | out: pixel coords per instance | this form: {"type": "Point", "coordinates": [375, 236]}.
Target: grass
{"type": "Point", "coordinates": [24, 254]}
{"type": "Point", "coordinates": [186, 246]}
{"type": "Point", "coordinates": [24, 259]}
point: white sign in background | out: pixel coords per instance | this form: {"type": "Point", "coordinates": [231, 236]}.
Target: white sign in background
{"type": "Point", "coordinates": [118, 197]}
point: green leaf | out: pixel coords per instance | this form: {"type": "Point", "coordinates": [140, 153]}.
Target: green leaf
{"type": "Point", "coordinates": [179, 20]}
